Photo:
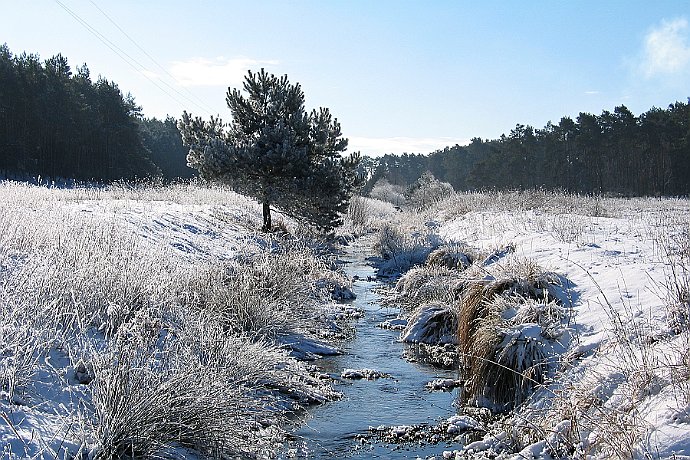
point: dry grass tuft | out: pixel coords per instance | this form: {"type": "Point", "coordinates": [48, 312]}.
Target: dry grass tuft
{"type": "Point", "coordinates": [456, 257]}
{"type": "Point", "coordinates": [175, 378]}
{"type": "Point", "coordinates": [424, 284]}
{"type": "Point", "coordinates": [505, 329]}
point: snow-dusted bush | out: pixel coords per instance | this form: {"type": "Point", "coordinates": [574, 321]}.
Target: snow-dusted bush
{"type": "Point", "coordinates": [426, 191]}
{"type": "Point", "coordinates": [404, 248]}
{"type": "Point", "coordinates": [504, 313]}
{"type": "Point", "coordinates": [385, 191]}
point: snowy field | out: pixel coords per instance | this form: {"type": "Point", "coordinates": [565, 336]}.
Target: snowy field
{"type": "Point", "coordinates": [615, 271]}
{"type": "Point", "coordinates": [154, 321]}
{"type": "Point", "coordinates": [157, 321]}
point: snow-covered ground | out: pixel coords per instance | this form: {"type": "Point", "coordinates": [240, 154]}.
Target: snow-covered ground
{"type": "Point", "coordinates": [140, 321]}
{"type": "Point", "coordinates": [622, 385]}
{"type": "Point", "coordinates": [131, 313]}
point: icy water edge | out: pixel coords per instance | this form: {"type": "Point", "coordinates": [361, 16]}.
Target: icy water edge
{"type": "Point", "coordinates": [335, 430]}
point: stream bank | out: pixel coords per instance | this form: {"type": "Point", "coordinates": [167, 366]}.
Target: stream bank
{"type": "Point", "coordinates": [353, 426]}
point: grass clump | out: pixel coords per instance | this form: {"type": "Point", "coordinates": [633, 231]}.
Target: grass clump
{"type": "Point", "coordinates": [160, 313]}
{"type": "Point", "coordinates": [509, 324]}
{"type": "Point", "coordinates": [191, 384]}
{"type": "Point", "coordinates": [452, 256]}
{"type": "Point", "coordinates": [404, 247]}
{"type": "Point", "coordinates": [505, 314]}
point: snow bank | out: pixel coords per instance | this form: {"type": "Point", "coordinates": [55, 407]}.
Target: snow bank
{"type": "Point", "coordinates": [617, 390]}
{"type": "Point", "coordinates": [396, 324]}
{"type": "Point", "coordinates": [307, 348]}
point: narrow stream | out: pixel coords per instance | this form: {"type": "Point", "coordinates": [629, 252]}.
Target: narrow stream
{"type": "Point", "coordinates": [332, 429]}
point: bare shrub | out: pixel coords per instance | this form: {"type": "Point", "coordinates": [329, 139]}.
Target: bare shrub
{"type": "Point", "coordinates": [426, 191]}
{"type": "Point", "coordinates": [385, 191]}
{"type": "Point", "coordinates": [357, 213]}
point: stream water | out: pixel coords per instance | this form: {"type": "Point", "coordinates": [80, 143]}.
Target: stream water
{"type": "Point", "coordinates": [333, 430]}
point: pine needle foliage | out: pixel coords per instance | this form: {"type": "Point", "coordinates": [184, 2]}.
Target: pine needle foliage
{"type": "Point", "coordinates": [276, 152]}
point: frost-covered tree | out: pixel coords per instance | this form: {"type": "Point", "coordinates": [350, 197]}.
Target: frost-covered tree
{"type": "Point", "coordinates": [276, 152]}
{"type": "Point", "coordinates": [427, 190]}
{"type": "Point", "coordinates": [385, 191]}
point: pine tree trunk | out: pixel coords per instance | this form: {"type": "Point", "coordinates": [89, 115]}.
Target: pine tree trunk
{"type": "Point", "coordinates": [267, 217]}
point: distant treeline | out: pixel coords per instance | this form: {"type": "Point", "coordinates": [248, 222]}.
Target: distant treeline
{"type": "Point", "coordinates": [60, 124]}
{"type": "Point", "coordinates": [613, 153]}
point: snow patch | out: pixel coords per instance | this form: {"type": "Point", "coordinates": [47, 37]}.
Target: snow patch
{"type": "Point", "coordinates": [368, 374]}
{"type": "Point", "coordinates": [444, 384]}
{"type": "Point", "coordinates": [397, 324]}
{"type": "Point", "coordinates": [431, 324]}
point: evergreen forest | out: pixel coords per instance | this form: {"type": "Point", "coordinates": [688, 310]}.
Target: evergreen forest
{"type": "Point", "coordinates": [60, 124]}
{"type": "Point", "coordinates": [615, 153]}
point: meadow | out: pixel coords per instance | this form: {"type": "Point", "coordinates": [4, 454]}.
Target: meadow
{"type": "Point", "coordinates": [150, 321]}
{"type": "Point", "coordinates": [156, 321]}
{"type": "Point", "coordinates": [569, 314]}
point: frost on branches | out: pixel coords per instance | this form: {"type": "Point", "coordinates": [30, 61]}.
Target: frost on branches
{"type": "Point", "coordinates": [276, 152]}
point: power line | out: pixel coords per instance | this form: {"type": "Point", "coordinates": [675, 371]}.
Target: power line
{"type": "Point", "coordinates": [126, 57]}
{"type": "Point", "coordinates": [149, 56]}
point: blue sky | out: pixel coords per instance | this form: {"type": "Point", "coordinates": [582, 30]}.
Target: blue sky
{"type": "Point", "coordinates": [401, 76]}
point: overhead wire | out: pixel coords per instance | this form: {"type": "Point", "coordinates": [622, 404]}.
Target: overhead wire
{"type": "Point", "coordinates": [132, 62]}
{"type": "Point", "coordinates": [112, 21]}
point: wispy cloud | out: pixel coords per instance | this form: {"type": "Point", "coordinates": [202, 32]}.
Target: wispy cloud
{"type": "Point", "coordinates": [666, 50]}
{"type": "Point", "coordinates": [378, 146]}
{"type": "Point", "coordinates": [214, 72]}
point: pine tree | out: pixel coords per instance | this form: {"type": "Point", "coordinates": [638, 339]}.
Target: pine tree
{"type": "Point", "coordinates": [275, 152]}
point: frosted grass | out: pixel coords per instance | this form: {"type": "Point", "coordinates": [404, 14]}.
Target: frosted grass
{"type": "Point", "coordinates": [148, 319]}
